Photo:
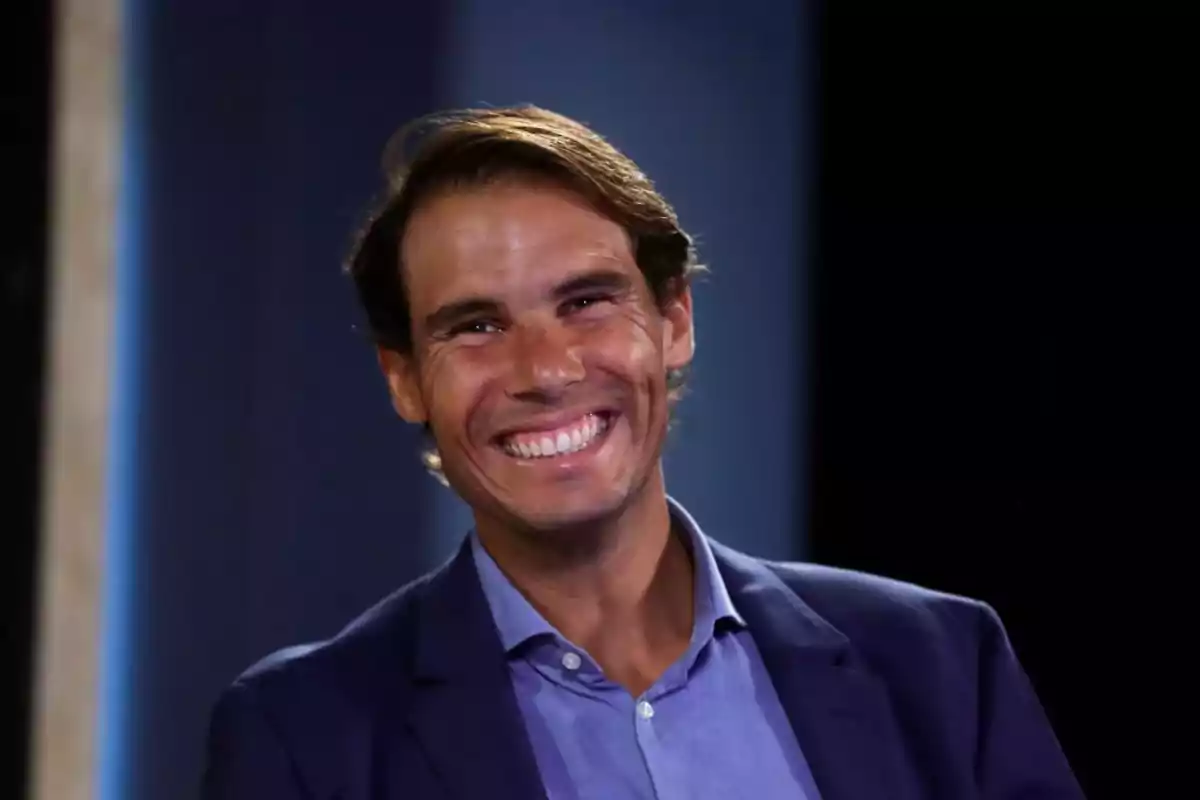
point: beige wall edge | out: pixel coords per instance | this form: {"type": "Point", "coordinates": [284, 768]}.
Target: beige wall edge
{"type": "Point", "coordinates": [85, 154]}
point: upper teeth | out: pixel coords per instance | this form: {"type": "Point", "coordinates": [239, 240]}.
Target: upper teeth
{"type": "Point", "coordinates": [552, 443]}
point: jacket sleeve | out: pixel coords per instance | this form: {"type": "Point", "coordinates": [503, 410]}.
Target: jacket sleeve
{"type": "Point", "coordinates": [246, 758]}
{"type": "Point", "coordinates": [1019, 757]}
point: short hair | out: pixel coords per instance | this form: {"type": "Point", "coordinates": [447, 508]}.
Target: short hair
{"type": "Point", "coordinates": [474, 147]}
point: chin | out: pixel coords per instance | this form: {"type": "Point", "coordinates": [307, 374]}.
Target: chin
{"type": "Point", "coordinates": [553, 509]}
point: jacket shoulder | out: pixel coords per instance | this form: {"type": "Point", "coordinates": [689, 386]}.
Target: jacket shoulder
{"type": "Point", "coordinates": [383, 631]}
{"type": "Point", "coordinates": [865, 591]}
{"type": "Point", "coordinates": [885, 617]}
{"type": "Point", "coordinates": [318, 684]}
{"type": "Point", "coordinates": [317, 700]}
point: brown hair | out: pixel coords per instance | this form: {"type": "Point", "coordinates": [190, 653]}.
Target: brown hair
{"type": "Point", "coordinates": [475, 146]}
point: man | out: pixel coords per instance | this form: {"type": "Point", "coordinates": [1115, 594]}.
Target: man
{"type": "Point", "coordinates": [529, 293]}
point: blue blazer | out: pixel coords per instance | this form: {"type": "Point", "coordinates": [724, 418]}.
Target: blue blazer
{"type": "Point", "coordinates": [894, 692]}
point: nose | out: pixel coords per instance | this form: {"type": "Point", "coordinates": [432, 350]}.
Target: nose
{"type": "Point", "coordinates": [547, 362]}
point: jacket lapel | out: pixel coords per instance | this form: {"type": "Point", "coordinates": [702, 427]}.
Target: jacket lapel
{"type": "Point", "coordinates": [838, 709]}
{"type": "Point", "coordinates": [464, 711]}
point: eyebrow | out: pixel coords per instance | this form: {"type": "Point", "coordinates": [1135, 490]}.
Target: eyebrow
{"type": "Point", "coordinates": [600, 279]}
{"type": "Point", "coordinates": [451, 313]}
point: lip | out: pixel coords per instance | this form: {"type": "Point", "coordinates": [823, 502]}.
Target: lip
{"type": "Point", "coordinates": [549, 422]}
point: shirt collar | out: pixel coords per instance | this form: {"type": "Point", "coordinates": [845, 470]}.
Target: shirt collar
{"type": "Point", "coordinates": [517, 621]}
{"type": "Point", "coordinates": [713, 603]}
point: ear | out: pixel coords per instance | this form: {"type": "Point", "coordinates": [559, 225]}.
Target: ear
{"type": "Point", "coordinates": [400, 371]}
{"type": "Point", "coordinates": [679, 340]}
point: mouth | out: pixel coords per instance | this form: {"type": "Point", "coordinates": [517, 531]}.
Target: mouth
{"type": "Point", "coordinates": [584, 433]}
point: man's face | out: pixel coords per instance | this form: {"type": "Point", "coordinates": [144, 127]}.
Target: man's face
{"type": "Point", "coordinates": [539, 356]}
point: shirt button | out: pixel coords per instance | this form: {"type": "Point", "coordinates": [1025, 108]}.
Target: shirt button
{"type": "Point", "coordinates": [571, 661]}
{"type": "Point", "coordinates": [645, 710]}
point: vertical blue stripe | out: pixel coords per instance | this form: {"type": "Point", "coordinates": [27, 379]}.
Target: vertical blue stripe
{"type": "Point", "coordinates": [115, 695]}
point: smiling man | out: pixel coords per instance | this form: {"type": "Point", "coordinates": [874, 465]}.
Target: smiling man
{"type": "Point", "coordinates": [530, 295]}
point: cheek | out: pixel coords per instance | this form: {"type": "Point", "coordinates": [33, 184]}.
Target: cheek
{"type": "Point", "coordinates": [451, 383]}
{"type": "Point", "coordinates": [630, 345]}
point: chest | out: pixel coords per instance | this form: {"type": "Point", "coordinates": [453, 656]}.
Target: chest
{"type": "Point", "coordinates": [727, 727]}
{"type": "Point", "coordinates": [709, 727]}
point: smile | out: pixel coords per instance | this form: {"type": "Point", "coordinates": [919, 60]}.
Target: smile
{"type": "Point", "coordinates": [571, 438]}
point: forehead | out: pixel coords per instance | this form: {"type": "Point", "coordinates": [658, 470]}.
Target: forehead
{"type": "Point", "coordinates": [470, 239]}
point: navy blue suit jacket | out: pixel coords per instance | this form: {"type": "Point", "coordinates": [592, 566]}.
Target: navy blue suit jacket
{"type": "Point", "coordinates": [893, 691]}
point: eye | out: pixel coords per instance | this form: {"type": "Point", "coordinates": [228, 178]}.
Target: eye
{"type": "Point", "coordinates": [475, 326]}
{"type": "Point", "coordinates": [577, 304]}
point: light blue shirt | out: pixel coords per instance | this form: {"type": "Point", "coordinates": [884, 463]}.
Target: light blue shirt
{"type": "Point", "coordinates": [711, 728]}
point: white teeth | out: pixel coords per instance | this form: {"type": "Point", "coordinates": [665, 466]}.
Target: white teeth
{"type": "Point", "coordinates": [577, 438]}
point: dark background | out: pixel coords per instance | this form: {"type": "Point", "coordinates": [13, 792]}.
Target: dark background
{"type": "Point", "coordinates": [1002, 344]}
{"type": "Point", "coordinates": [24, 129]}
{"type": "Point", "coordinates": [1005, 344]}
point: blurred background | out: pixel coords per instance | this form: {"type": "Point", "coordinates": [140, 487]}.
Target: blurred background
{"type": "Point", "coordinates": [948, 334]}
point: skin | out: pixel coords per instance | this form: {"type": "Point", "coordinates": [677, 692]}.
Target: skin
{"type": "Point", "coordinates": [529, 310]}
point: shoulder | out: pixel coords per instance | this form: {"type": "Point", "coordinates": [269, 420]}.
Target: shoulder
{"type": "Point", "coordinates": [862, 597]}
{"type": "Point", "coordinates": [887, 619]}
{"type": "Point", "coordinates": [335, 676]}
{"type": "Point", "coordinates": [308, 710]}
{"type": "Point", "coordinates": [932, 649]}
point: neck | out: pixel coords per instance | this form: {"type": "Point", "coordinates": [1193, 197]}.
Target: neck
{"type": "Point", "coordinates": [622, 588]}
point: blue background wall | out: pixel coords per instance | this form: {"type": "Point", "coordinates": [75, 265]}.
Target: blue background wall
{"type": "Point", "coordinates": [263, 493]}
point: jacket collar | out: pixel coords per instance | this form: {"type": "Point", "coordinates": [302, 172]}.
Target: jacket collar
{"type": "Point", "coordinates": [838, 707]}
{"type": "Point", "coordinates": [463, 709]}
